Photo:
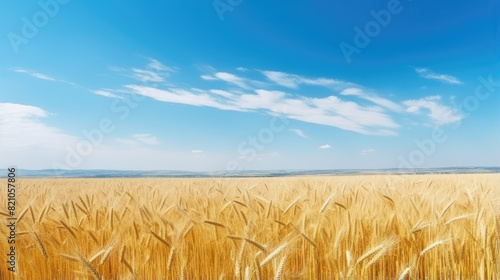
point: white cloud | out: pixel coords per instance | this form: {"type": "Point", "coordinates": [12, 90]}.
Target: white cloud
{"type": "Point", "coordinates": [281, 78]}
{"type": "Point", "coordinates": [325, 147]}
{"type": "Point", "coordinates": [208, 78]}
{"type": "Point", "coordinates": [158, 66]}
{"type": "Point", "coordinates": [197, 152]}
{"type": "Point", "coordinates": [386, 103]}
{"type": "Point", "coordinates": [364, 116]}
{"type": "Point", "coordinates": [106, 94]}
{"type": "Point", "coordinates": [264, 99]}
{"type": "Point", "coordinates": [223, 93]}
{"type": "Point", "coordinates": [367, 151]}
{"type": "Point", "coordinates": [293, 81]}
{"type": "Point", "coordinates": [334, 111]}
{"type": "Point", "coordinates": [45, 77]}
{"type": "Point", "coordinates": [147, 76]}
{"type": "Point", "coordinates": [146, 138]}
{"type": "Point", "coordinates": [34, 74]}
{"type": "Point", "coordinates": [231, 78]}
{"type": "Point", "coordinates": [298, 132]}
{"type": "Point", "coordinates": [426, 73]}
{"type": "Point", "coordinates": [21, 127]}
{"type": "Point", "coordinates": [242, 69]}
{"type": "Point", "coordinates": [330, 111]}
{"type": "Point", "coordinates": [153, 72]}
{"type": "Point", "coordinates": [440, 114]}
{"type": "Point", "coordinates": [181, 96]}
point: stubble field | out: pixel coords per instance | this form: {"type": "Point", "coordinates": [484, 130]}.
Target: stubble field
{"type": "Point", "coordinates": [343, 227]}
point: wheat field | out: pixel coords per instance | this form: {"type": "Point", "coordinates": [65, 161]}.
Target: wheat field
{"type": "Point", "coordinates": [322, 227]}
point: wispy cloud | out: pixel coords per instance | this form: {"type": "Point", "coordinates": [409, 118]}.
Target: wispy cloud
{"type": "Point", "coordinates": [325, 147]}
{"type": "Point", "coordinates": [208, 78]}
{"type": "Point", "coordinates": [330, 111]}
{"type": "Point", "coordinates": [197, 153]}
{"type": "Point", "coordinates": [231, 78]}
{"type": "Point", "coordinates": [153, 72]}
{"type": "Point", "coordinates": [38, 75]}
{"type": "Point", "coordinates": [158, 66]}
{"type": "Point", "coordinates": [438, 113]}
{"type": "Point", "coordinates": [386, 103]}
{"type": "Point", "coordinates": [242, 69]}
{"type": "Point", "coordinates": [298, 132]}
{"type": "Point", "coordinates": [293, 80]}
{"type": "Point", "coordinates": [367, 152]}
{"type": "Point", "coordinates": [223, 93]}
{"type": "Point", "coordinates": [426, 73]}
{"type": "Point", "coordinates": [146, 138]}
{"type": "Point", "coordinates": [181, 96]}
{"type": "Point", "coordinates": [34, 74]}
{"type": "Point", "coordinates": [138, 140]}
{"type": "Point", "coordinates": [106, 94]}
{"type": "Point", "coordinates": [147, 76]}
{"type": "Point", "coordinates": [354, 108]}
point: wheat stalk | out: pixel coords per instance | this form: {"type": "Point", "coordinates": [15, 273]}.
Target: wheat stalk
{"type": "Point", "coordinates": [279, 272]}
{"type": "Point", "coordinates": [404, 273]}
{"type": "Point", "coordinates": [261, 247]}
{"type": "Point", "coordinates": [39, 243]}
{"type": "Point", "coordinates": [106, 254]}
{"type": "Point", "coordinates": [89, 267]}
{"type": "Point", "coordinates": [274, 253]}
{"type": "Point", "coordinates": [323, 207]}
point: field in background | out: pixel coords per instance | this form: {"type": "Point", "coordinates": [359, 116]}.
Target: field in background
{"type": "Point", "coordinates": [345, 227]}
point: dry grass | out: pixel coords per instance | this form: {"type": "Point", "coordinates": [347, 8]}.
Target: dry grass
{"type": "Point", "coordinates": [346, 227]}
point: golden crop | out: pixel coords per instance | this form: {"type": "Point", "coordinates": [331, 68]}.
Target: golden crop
{"type": "Point", "coordinates": [343, 227]}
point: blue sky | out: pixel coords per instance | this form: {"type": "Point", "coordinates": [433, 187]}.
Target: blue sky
{"type": "Point", "coordinates": [228, 85]}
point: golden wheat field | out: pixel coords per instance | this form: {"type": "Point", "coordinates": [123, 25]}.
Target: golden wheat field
{"type": "Point", "coordinates": [343, 227]}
